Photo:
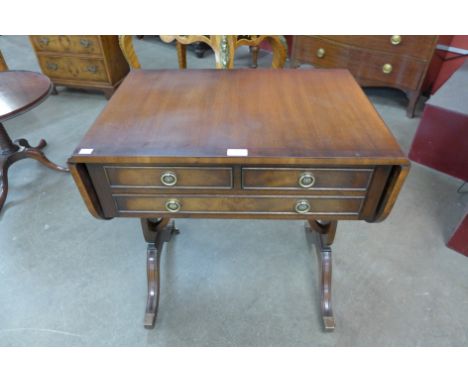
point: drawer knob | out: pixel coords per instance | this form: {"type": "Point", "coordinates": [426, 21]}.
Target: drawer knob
{"type": "Point", "coordinates": [173, 205]}
{"type": "Point", "coordinates": [169, 178]}
{"type": "Point", "coordinates": [92, 68]}
{"type": "Point", "coordinates": [395, 40]}
{"type": "Point", "coordinates": [85, 43]}
{"type": "Point", "coordinates": [320, 52]}
{"type": "Point", "coordinates": [52, 66]}
{"type": "Point", "coordinates": [387, 68]}
{"type": "Point", "coordinates": [302, 207]}
{"type": "Point", "coordinates": [44, 41]}
{"type": "Point", "coordinates": [306, 180]}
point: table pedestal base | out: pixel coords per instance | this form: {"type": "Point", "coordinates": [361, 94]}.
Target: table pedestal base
{"type": "Point", "coordinates": [324, 235]}
{"type": "Point", "coordinates": [159, 231]}
{"type": "Point", "coordinates": [11, 152]}
{"type": "Point", "coordinates": [156, 232]}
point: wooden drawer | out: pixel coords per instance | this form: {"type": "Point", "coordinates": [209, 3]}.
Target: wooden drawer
{"type": "Point", "coordinates": [274, 205]}
{"type": "Point", "coordinates": [174, 177]}
{"type": "Point", "coordinates": [415, 46]}
{"type": "Point", "coordinates": [64, 67]}
{"type": "Point", "coordinates": [367, 66]}
{"type": "Point", "coordinates": [67, 44]}
{"type": "Point", "coordinates": [305, 178]}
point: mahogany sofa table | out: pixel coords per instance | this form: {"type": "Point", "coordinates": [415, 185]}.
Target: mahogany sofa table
{"type": "Point", "coordinates": [20, 91]}
{"type": "Point", "coordinates": [263, 144]}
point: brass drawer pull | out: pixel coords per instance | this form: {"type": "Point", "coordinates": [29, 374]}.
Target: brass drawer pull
{"type": "Point", "coordinates": [169, 178]}
{"type": "Point", "coordinates": [85, 43]}
{"type": "Point", "coordinates": [395, 40]}
{"type": "Point", "coordinates": [387, 68]}
{"type": "Point", "coordinates": [92, 68]}
{"type": "Point", "coordinates": [302, 207]}
{"type": "Point", "coordinates": [320, 53]}
{"type": "Point", "coordinates": [52, 66]}
{"type": "Point", "coordinates": [306, 180]}
{"type": "Point", "coordinates": [44, 41]}
{"type": "Point", "coordinates": [173, 205]}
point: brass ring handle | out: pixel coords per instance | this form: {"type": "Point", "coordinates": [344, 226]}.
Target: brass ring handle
{"type": "Point", "coordinates": [173, 205]}
{"type": "Point", "coordinates": [395, 40]}
{"type": "Point", "coordinates": [320, 53]}
{"type": "Point", "coordinates": [387, 68]}
{"type": "Point", "coordinates": [92, 68]}
{"type": "Point", "coordinates": [52, 66]}
{"type": "Point", "coordinates": [169, 178]}
{"type": "Point", "coordinates": [306, 180]}
{"type": "Point", "coordinates": [302, 207]}
{"type": "Point", "coordinates": [44, 41]}
{"type": "Point", "coordinates": [85, 43]}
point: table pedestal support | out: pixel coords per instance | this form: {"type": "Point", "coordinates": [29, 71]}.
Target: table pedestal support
{"type": "Point", "coordinates": [159, 231]}
{"type": "Point", "coordinates": [324, 235]}
{"type": "Point", "coordinates": [156, 233]}
{"type": "Point", "coordinates": [11, 152]}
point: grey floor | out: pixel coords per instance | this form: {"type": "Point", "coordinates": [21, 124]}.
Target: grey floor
{"type": "Point", "coordinates": [69, 279]}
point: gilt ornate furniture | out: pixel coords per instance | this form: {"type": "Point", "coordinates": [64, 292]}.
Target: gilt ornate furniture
{"type": "Point", "coordinates": [20, 91]}
{"type": "Point", "coordinates": [224, 48]}
{"type": "Point", "coordinates": [244, 144]}
{"type": "Point", "coordinates": [88, 62]}
{"type": "Point", "coordinates": [395, 61]}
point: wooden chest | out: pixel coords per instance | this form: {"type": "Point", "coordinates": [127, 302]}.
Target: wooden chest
{"type": "Point", "coordinates": [89, 62]}
{"type": "Point", "coordinates": [395, 61]}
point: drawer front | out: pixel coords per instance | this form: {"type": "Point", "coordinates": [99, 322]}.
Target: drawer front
{"type": "Point", "coordinates": [370, 68]}
{"type": "Point", "coordinates": [67, 44]}
{"type": "Point", "coordinates": [305, 179]}
{"type": "Point", "coordinates": [73, 68]}
{"type": "Point", "coordinates": [169, 177]}
{"type": "Point", "coordinates": [415, 46]}
{"type": "Point", "coordinates": [271, 205]}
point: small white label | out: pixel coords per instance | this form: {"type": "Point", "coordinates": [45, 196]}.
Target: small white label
{"type": "Point", "coordinates": [237, 152]}
{"type": "Point", "coordinates": [86, 151]}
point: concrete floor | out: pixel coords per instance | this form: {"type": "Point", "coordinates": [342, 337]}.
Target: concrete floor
{"type": "Point", "coordinates": [68, 279]}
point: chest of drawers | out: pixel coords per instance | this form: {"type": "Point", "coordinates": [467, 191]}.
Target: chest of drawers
{"type": "Point", "coordinates": [265, 144]}
{"type": "Point", "coordinates": [395, 61]}
{"type": "Point", "coordinates": [88, 62]}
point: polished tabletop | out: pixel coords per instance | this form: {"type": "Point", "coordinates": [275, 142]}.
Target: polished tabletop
{"type": "Point", "coordinates": [20, 91]}
{"type": "Point", "coordinates": [294, 115]}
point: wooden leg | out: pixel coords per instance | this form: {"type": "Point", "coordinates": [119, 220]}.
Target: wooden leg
{"type": "Point", "coordinates": [13, 152]}
{"type": "Point", "coordinates": [23, 142]}
{"type": "Point", "coordinates": [254, 51]}
{"type": "Point", "coordinates": [413, 100]}
{"type": "Point", "coordinates": [38, 155]}
{"type": "Point", "coordinates": [4, 181]}
{"type": "Point", "coordinates": [108, 93]}
{"type": "Point", "coordinates": [156, 233]}
{"type": "Point", "coordinates": [325, 234]}
{"type": "Point", "coordinates": [54, 90]}
{"type": "Point", "coordinates": [181, 55]}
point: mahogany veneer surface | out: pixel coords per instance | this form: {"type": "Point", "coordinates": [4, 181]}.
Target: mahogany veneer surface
{"type": "Point", "coordinates": [279, 116]}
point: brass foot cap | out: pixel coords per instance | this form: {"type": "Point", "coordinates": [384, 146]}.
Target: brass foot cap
{"type": "Point", "coordinates": [329, 323]}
